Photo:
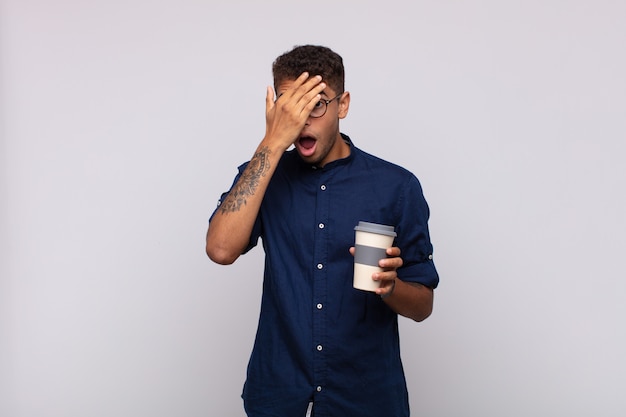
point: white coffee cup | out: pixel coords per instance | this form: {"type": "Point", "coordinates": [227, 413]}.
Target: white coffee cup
{"type": "Point", "coordinates": [370, 246]}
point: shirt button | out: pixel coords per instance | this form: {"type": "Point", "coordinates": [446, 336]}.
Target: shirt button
{"type": "Point", "coordinates": [319, 306]}
{"type": "Point", "coordinates": [430, 257]}
{"type": "Point", "coordinates": [323, 187]}
{"type": "Point", "coordinates": [319, 348]}
{"type": "Point", "coordinates": [320, 266]}
{"type": "Point", "coordinates": [321, 225]}
{"type": "Point", "coordinates": [318, 388]}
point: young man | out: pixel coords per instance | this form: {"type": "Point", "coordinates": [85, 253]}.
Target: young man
{"type": "Point", "coordinates": [319, 340]}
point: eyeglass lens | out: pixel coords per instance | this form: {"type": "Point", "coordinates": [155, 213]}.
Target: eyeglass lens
{"type": "Point", "coordinates": [319, 109]}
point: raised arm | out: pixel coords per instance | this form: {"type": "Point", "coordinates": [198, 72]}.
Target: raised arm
{"type": "Point", "coordinates": [231, 226]}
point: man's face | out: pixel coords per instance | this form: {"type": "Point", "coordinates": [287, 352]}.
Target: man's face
{"type": "Point", "coordinates": [320, 141]}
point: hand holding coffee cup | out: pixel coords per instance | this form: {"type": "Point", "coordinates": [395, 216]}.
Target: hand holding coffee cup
{"type": "Point", "coordinates": [371, 243]}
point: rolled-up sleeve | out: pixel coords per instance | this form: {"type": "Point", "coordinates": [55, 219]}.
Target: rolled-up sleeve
{"type": "Point", "coordinates": [414, 237]}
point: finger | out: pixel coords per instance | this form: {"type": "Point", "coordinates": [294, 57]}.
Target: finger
{"type": "Point", "coordinates": [384, 277]}
{"type": "Point", "coordinates": [391, 263]}
{"type": "Point", "coordinates": [394, 251]}
{"type": "Point", "coordinates": [303, 92]}
{"type": "Point", "coordinates": [386, 287]}
{"type": "Point", "coordinates": [310, 99]}
{"type": "Point", "coordinates": [302, 86]}
{"type": "Point", "coordinates": [269, 98]}
{"type": "Point", "coordinates": [298, 84]}
{"type": "Point", "coordinates": [311, 83]}
{"type": "Point", "coordinates": [301, 79]}
{"type": "Point", "coordinates": [308, 94]}
{"type": "Point", "coordinates": [306, 87]}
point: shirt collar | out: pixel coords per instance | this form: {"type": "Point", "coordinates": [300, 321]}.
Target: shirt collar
{"type": "Point", "coordinates": [338, 162]}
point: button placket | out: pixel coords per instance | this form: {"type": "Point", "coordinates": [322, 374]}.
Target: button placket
{"type": "Point", "coordinates": [319, 283]}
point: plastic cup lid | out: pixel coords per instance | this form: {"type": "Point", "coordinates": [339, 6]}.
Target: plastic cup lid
{"type": "Point", "coordinates": [381, 229]}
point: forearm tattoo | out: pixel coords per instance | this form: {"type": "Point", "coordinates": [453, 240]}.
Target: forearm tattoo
{"type": "Point", "coordinates": [248, 183]}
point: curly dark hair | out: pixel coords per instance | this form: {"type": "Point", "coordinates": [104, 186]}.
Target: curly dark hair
{"type": "Point", "coordinates": [316, 60]}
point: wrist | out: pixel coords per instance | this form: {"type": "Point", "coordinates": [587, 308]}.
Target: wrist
{"type": "Point", "coordinates": [277, 143]}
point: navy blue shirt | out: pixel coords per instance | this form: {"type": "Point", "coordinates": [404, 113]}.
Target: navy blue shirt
{"type": "Point", "coordinates": [318, 338]}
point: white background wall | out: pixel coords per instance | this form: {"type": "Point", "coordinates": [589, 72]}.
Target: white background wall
{"type": "Point", "coordinates": [123, 121]}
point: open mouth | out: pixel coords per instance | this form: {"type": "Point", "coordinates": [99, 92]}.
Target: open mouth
{"type": "Point", "coordinates": [306, 142]}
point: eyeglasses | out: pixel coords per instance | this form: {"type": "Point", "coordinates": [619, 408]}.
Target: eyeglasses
{"type": "Point", "coordinates": [320, 107]}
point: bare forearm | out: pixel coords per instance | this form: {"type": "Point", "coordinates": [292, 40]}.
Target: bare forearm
{"type": "Point", "coordinates": [411, 300]}
{"type": "Point", "coordinates": [231, 226]}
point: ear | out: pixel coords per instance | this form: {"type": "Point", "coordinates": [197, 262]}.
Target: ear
{"type": "Point", "coordinates": [344, 104]}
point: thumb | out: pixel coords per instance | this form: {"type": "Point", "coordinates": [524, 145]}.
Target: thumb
{"type": "Point", "coordinates": [269, 98]}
